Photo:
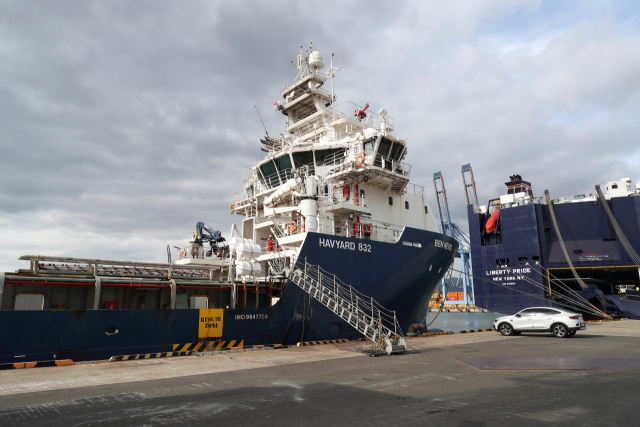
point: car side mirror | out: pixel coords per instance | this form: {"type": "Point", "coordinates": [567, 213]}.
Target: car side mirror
{"type": "Point", "coordinates": [517, 315]}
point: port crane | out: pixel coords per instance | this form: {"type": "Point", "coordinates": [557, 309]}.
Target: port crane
{"type": "Point", "coordinates": [467, 173]}
{"type": "Point", "coordinates": [451, 229]}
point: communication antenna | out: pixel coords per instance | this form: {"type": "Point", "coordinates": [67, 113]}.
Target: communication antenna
{"type": "Point", "coordinates": [296, 15]}
{"type": "Point", "coordinates": [254, 106]}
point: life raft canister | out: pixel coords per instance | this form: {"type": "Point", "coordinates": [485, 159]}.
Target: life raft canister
{"type": "Point", "coordinates": [492, 223]}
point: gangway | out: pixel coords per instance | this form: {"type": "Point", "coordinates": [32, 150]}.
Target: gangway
{"type": "Point", "coordinates": [363, 313]}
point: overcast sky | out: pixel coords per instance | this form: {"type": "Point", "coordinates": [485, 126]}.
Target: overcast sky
{"type": "Point", "coordinates": [123, 123]}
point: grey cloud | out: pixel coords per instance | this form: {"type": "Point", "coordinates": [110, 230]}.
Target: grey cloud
{"type": "Point", "coordinates": [125, 123]}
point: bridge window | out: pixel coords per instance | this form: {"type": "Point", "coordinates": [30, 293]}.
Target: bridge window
{"type": "Point", "coordinates": [284, 166]}
{"type": "Point", "coordinates": [270, 174]}
{"type": "Point", "coordinates": [383, 151]}
{"type": "Point", "coordinates": [323, 156]}
{"type": "Point", "coordinates": [369, 145]}
{"type": "Point", "coordinates": [396, 151]}
{"type": "Point", "coordinates": [302, 158]}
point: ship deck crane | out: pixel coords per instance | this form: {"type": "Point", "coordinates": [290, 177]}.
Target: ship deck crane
{"type": "Point", "coordinates": [450, 229]}
{"type": "Point", "coordinates": [204, 233]}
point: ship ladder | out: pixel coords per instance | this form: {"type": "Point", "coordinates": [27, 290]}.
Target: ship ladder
{"type": "Point", "coordinates": [363, 313]}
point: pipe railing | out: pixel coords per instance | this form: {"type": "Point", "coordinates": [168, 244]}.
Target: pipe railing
{"type": "Point", "coordinates": [368, 311]}
{"type": "Point", "coordinates": [79, 267]}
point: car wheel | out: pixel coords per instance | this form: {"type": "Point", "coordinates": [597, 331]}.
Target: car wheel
{"type": "Point", "coordinates": [505, 329]}
{"type": "Point", "coordinates": [560, 331]}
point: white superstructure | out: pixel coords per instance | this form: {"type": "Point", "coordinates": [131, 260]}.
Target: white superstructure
{"type": "Point", "coordinates": [331, 172]}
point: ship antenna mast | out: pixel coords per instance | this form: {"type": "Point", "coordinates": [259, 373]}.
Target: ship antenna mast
{"type": "Point", "coordinates": [296, 15]}
{"type": "Point", "coordinates": [254, 106]}
{"type": "Point", "coordinates": [331, 73]}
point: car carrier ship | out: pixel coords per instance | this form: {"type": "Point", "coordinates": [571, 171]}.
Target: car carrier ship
{"type": "Point", "coordinates": [575, 252]}
{"type": "Point", "coordinates": [335, 242]}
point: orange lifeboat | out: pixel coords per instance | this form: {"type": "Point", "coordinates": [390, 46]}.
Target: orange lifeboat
{"type": "Point", "coordinates": [492, 223]}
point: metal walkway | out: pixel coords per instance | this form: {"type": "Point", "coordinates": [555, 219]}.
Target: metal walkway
{"type": "Point", "coordinates": [363, 313]}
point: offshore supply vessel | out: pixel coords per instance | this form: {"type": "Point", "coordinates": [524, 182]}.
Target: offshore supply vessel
{"type": "Point", "coordinates": [335, 242]}
{"type": "Point", "coordinates": [576, 252]}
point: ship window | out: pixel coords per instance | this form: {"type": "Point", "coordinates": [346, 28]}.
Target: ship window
{"type": "Point", "coordinates": [396, 151]}
{"type": "Point", "coordinates": [614, 186]}
{"type": "Point", "coordinates": [510, 191]}
{"type": "Point", "coordinates": [369, 145]}
{"type": "Point", "coordinates": [523, 259]}
{"type": "Point", "coordinates": [535, 258]}
{"type": "Point", "coordinates": [362, 195]}
{"type": "Point", "coordinates": [329, 156]}
{"type": "Point", "coordinates": [502, 263]}
{"type": "Point", "coordinates": [284, 166]}
{"type": "Point", "coordinates": [390, 201]}
{"type": "Point", "coordinates": [270, 174]}
{"type": "Point", "coordinates": [302, 158]}
{"type": "Point", "coordinates": [426, 210]}
{"type": "Point", "coordinates": [383, 148]}
{"type": "Point", "coordinates": [519, 190]}
{"type": "Point", "coordinates": [406, 205]}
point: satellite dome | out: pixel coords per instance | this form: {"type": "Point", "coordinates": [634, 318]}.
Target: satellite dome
{"type": "Point", "coordinates": [316, 61]}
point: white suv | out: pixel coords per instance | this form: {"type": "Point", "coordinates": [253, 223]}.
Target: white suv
{"type": "Point", "coordinates": [561, 323]}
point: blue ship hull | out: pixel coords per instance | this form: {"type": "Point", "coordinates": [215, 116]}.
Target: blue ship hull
{"type": "Point", "coordinates": [527, 242]}
{"type": "Point", "coordinates": [398, 276]}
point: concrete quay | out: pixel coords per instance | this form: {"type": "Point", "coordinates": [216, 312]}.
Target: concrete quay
{"type": "Point", "coordinates": [326, 385]}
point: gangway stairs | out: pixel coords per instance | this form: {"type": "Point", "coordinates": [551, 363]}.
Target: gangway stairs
{"type": "Point", "coordinates": [363, 313]}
